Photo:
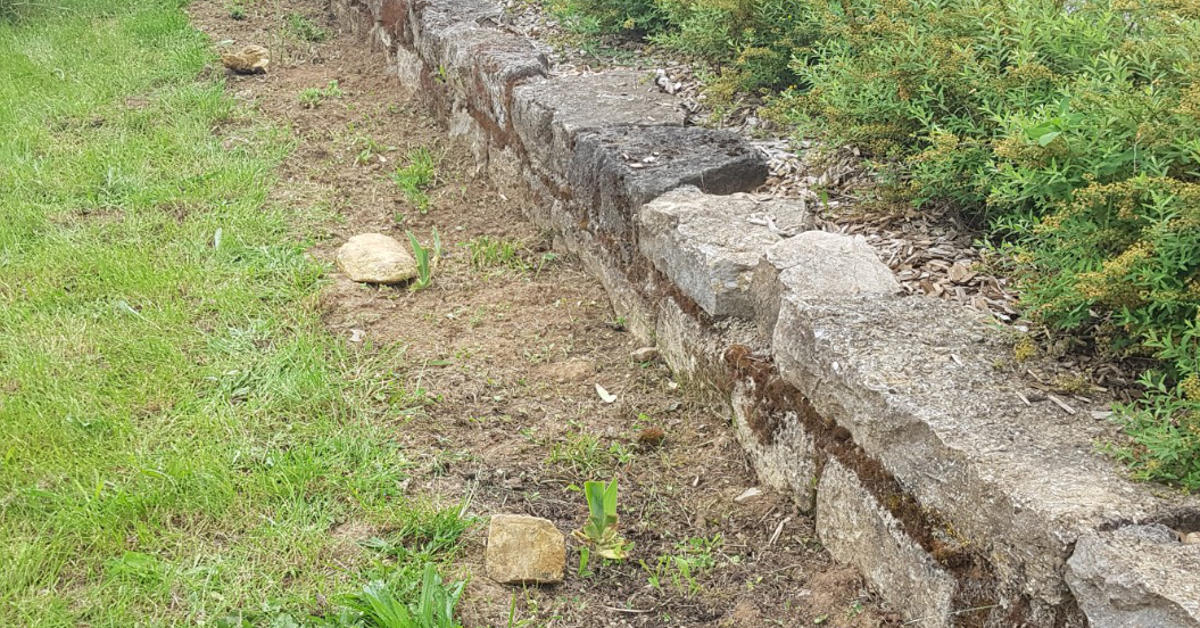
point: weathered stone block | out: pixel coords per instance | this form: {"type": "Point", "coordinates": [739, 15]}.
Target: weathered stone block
{"type": "Point", "coordinates": [408, 67]}
{"type": "Point", "coordinates": [816, 265]}
{"type": "Point", "coordinates": [376, 258]}
{"type": "Point", "coordinates": [547, 115]}
{"type": "Point", "coordinates": [392, 15]}
{"type": "Point", "coordinates": [913, 381]}
{"type": "Point", "coordinates": [857, 530]}
{"type": "Point", "coordinates": [616, 170]}
{"type": "Point", "coordinates": [500, 64]}
{"type": "Point", "coordinates": [1136, 577]}
{"type": "Point", "coordinates": [482, 65]}
{"type": "Point", "coordinates": [691, 348]}
{"type": "Point", "coordinates": [708, 246]}
{"type": "Point", "coordinates": [524, 550]}
{"type": "Point", "coordinates": [462, 126]}
{"type": "Point", "coordinates": [784, 457]}
{"type": "Point", "coordinates": [435, 24]}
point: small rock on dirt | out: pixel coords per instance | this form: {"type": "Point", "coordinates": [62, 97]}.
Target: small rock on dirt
{"type": "Point", "coordinates": [376, 258]}
{"type": "Point", "coordinates": [748, 495]}
{"type": "Point", "coordinates": [1191, 538]}
{"type": "Point", "coordinates": [249, 60]}
{"type": "Point", "coordinates": [525, 550]}
{"type": "Point", "coordinates": [645, 354]}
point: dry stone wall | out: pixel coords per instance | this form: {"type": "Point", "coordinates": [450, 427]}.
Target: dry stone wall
{"type": "Point", "coordinates": [881, 414]}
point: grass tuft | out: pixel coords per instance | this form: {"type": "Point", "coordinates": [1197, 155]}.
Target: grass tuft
{"type": "Point", "coordinates": [417, 177]}
{"type": "Point", "coordinates": [312, 97]}
{"type": "Point", "coordinates": [305, 29]}
{"type": "Point", "coordinates": [488, 252]}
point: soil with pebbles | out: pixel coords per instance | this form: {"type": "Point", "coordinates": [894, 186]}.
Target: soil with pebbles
{"type": "Point", "coordinates": [502, 363]}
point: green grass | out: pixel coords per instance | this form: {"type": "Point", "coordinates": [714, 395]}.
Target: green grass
{"type": "Point", "coordinates": [306, 29]}
{"type": "Point", "coordinates": [587, 456]}
{"type": "Point", "coordinates": [488, 252]}
{"type": "Point", "coordinates": [178, 432]}
{"type": "Point", "coordinates": [417, 177]}
{"type": "Point", "coordinates": [312, 97]}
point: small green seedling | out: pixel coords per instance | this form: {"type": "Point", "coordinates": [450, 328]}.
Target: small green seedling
{"type": "Point", "coordinates": [237, 11]}
{"type": "Point", "coordinates": [417, 177]}
{"type": "Point", "coordinates": [368, 149]}
{"type": "Point", "coordinates": [332, 90]}
{"type": "Point", "coordinates": [426, 260]}
{"type": "Point", "coordinates": [599, 534]}
{"type": "Point", "coordinates": [312, 97]}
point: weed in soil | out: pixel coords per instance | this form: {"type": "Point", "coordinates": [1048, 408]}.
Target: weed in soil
{"type": "Point", "coordinates": [417, 177]}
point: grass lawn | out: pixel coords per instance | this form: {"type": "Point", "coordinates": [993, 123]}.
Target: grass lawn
{"type": "Point", "coordinates": [179, 435]}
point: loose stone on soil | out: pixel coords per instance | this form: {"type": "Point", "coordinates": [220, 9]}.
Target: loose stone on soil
{"type": "Point", "coordinates": [748, 495]}
{"type": "Point", "coordinates": [249, 60]}
{"type": "Point", "coordinates": [376, 258]}
{"type": "Point", "coordinates": [525, 550]}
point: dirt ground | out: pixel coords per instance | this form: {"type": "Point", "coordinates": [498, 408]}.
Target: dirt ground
{"type": "Point", "coordinates": [501, 363]}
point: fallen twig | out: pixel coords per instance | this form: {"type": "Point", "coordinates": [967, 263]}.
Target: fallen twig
{"type": "Point", "coordinates": [1060, 403]}
{"type": "Point", "coordinates": [778, 531]}
{"type": "Point", "coordinates": [638, 611]}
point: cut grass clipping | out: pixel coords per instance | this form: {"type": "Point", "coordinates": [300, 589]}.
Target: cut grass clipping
{"type": "Point", "coordinates": [417, 177]}
{"type": "Point", "coordinates": [182, 437]}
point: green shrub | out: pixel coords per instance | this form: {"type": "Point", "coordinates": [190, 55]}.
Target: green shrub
{"type": "Point", "coordinates": [630, 18]}
{"type": "Point", "coordinates": [1074, 136]}
{"type": "Point", "coordinates": [750, 42]}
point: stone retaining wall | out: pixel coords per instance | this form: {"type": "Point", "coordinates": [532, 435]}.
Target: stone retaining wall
{"type": "Point", "coordinates": [960, 503]}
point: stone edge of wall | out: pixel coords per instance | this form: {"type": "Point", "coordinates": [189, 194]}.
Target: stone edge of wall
{"type": "Point", "coordinates": [884, 415]}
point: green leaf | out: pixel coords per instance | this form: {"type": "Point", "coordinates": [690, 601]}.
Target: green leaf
{"type": "Point", "coordinates": [610, 505]}
{"type": "Point", "coordinates": [595, 494]}
{"type": "Point", "coordinates": [1046, 138]}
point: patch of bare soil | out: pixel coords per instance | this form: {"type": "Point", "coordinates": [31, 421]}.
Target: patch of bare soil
{"type": "Point", "coordinates": [500, 362]}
